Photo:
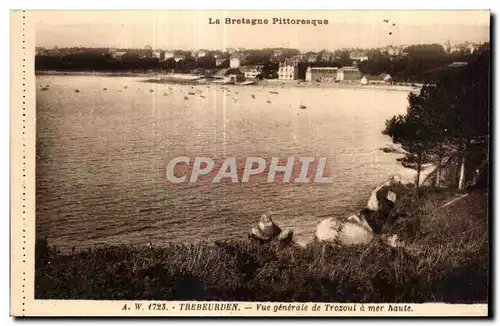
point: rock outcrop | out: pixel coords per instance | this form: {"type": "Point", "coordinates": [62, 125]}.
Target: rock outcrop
{"type": "Point", "coordinates": [267, 231]}
{"type": "Point", "coordinates": [345, 231]}
{"type": "Point", "coordinates": [374, 203]}
{"type": "Point", "coordinates": [362, 227]}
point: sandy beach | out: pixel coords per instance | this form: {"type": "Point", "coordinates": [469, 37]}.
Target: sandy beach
{"type": "Point", "coordinates": [161, 78]}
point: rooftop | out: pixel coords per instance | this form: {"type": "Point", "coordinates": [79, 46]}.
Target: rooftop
{"type": "Point", "coordinates": [324, 68]}
{"type": "Point", "coordinates": [349, 68]}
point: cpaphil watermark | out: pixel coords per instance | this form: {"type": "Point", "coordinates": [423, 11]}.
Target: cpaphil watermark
{"type": "Point", "coordinates": [184, 169]}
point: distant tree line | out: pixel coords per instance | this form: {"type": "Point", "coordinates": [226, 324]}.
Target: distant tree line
{"type": "Point", "coordinates": [420, 63]}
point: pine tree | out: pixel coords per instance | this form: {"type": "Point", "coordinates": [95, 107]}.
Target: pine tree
{"type": "Point", "coordinates": [414, 132]}
{"type": "Point", "coordinates": [445, 118]}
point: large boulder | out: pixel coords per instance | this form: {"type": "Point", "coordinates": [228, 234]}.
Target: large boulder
{"type": "Point", "coordinates": [352, 230]}
{"type": "Point", "coordinates": [266, 231]}
{"type": "Point", "coordinates": [383, 191]}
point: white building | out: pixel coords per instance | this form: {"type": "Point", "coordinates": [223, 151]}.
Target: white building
{"type": "Point", "coordinates": [312, 58]}
{"type": "Point", "coordinates": [236, 60]}
{"type": "Point", "coordinates": [179, 57]}
{"type": "Point", "coordinates": [321, 74]}
{"type": "Point", "coordinates": [118, 54]}
{"type": "Point", "coordinates": [158, 54]}
{"type": "Point", "coordinates": [348, 74]}
{"type": "Point", "coordinates": [277, 53]}
{"type": "Point", "coordinates": [199, 53]}
{"type": "Point", "coordinates": [392, 50]}
{"type": "Point", "coordinates": [298, 57]}
{"type": "Point", "coordinates": [379, 79]}
{"type": "Point", "coordinates": [326, 56]}
{"type": "Point", "coordinates": [471, 48]}
{"type": "Point", "coordinates": [253, 71]}
{"type": "Point", "coordinates": [169, 54]}
{"type": "Point", "coordinates": [358, 56]}
{"type": "Point", "coordinates": [288, 70]}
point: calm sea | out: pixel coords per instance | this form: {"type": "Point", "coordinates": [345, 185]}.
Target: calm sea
{"type": "Point", "coordinates": [102, 155]}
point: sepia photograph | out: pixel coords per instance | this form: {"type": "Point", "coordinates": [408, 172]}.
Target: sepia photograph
{"type": "Point", "coordinates": [293, 157]}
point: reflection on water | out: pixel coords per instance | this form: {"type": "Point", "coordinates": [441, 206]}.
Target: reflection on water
{"type": "Point", "coordinates": [102, 156]}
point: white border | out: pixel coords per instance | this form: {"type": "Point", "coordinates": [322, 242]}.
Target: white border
{"type": "Point", "coordinates": [147, 4]}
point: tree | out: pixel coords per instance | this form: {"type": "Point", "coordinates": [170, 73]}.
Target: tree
{"type": "Point", "coordinates": [414, 131]}
{"type": "Point", "coordinates": [472, 108]}
{"type": "Point", "coordinates": [446, 118]}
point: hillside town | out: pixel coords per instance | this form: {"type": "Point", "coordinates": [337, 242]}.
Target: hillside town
{"type": "Point", "coordinates": [384, 65]}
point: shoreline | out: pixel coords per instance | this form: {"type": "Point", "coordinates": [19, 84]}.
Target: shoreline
{"type": "Point", "coordinates": [162, 78]}
{"type": "Point", "coordinates": [97, 73]}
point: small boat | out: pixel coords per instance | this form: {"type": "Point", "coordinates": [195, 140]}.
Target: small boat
{"type": "Point", "coordinates": [151, 90]}
{"type": "Point", "coordinates": [273, 92]}
{"type": "Point", "coordinates": [77, 91]}
{"type": "Point", "coordinates": [191, 93]}
{"type": "Point", "coordinates": [253, 96]}
{"type": "Point", "coordinates": [186, 98]}
{"type": "Point", "coordinates": [104, 89]}
{"type": "Point", "coordinates": [269, 102]}
{"type": "Point", "coordinates": [303, 107]}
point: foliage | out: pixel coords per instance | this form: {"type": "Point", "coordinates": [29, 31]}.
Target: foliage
{"type": "Point", "coordinates": [425, 63]}
{"type": "Point", "coordinates": [444, 117]}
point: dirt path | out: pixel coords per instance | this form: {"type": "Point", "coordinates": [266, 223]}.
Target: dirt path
{"type": "Point", "coordinates": [473, 204]}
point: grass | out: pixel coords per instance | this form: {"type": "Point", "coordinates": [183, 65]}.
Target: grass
{"type": "Point", "coordinates": [445, 259]}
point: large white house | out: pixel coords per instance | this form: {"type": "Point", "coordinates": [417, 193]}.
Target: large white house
{"type": "Point", "coordinates": [236, 60]}
{"type": "Point", "coordinates": [288, 70]}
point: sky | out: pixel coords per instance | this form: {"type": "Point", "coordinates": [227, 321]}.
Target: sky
{"type": "Point", "coordinates": [191, 29]}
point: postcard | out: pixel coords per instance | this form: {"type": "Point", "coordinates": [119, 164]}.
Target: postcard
{"type": "Point", "coordinates": [250, 163]}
